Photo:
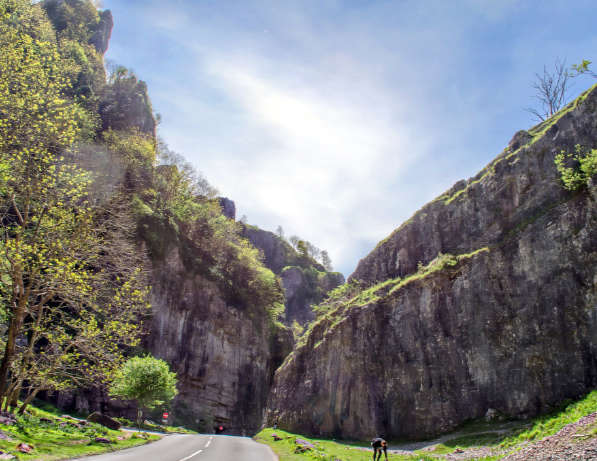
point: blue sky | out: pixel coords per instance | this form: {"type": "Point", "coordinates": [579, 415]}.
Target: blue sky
{"type": "Point", "coordinates": [339, 119]}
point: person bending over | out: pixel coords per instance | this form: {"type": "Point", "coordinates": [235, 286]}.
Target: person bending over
{"type": "Point", "coordinates": [378, 445]}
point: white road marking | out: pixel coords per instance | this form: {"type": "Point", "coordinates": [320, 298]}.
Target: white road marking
{"type": "Point", "coordinates": [207, 444]}
{"type": "Point", "coordinates": [191, 455]}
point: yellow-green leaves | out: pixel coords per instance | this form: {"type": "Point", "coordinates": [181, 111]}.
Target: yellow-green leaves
{"type": "Point", "coordinates": [69, 281]}
{"type": "Point", "coordinates": [577, 168]}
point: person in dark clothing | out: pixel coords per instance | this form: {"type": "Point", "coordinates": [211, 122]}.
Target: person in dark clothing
{"type": "Point", "coordinates": [378, 445]}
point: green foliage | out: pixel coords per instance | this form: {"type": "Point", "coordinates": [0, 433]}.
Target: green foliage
{"type": "Point", "coordinates": [55, 437]}
{"type": "Point", "coordinates": [297, 330]}
{"type": "Point", "coordinates": [583, 68]}
{"type": "Point", "coordinates": [124, 104]}
{"type": "Point", "coordinates": [76, 304]}
{"type": "Point", "coordinates": [137, 154]}
{"type": "Point", "coordinates": [73, 19]}
{"type": "Point", "coordinates": [179, 207]}
{"type": "Point", "coordinates": [27, 19]}
{"type": "Point", "coordinates": [338, 296]}
{"type": "Point", "coordinates": [584, 167]}
{"type": "Point", "coordinates": [147, 380]}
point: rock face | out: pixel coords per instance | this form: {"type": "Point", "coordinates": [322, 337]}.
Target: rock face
{"type": "Point", "coordinates": [482, 210]}
{"type": "Point", "coordinates": [228, 207]}
{"type": "Point", "coordinates": [101, 36]}
{"type": "Point", "coordinates": [304, 288]}
{"type": "Point", "coordinates": [277, 253]}
{"type": "Point", "coordinates": [225, 356]}
{"type": "Point", "coordinates": [510, 324]}
{"type": "Point", "coordinates": [305, 282]}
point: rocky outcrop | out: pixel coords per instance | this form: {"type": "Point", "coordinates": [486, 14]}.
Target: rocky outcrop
{"type": "Point", "coordinates": [228, 207]}
{"type": "Point", "coordinates": [103, 31]}
{"type": "Point", "coordinates": [508, 323]}
{"type": "Point", "coordinates": [306, 282]}
{"type": "Point", "coordinates": [125, 105]}
{"type": "Point", "coordinates": [277, 253]}
{"type": "Point", "coordinates": [304, 288]}
{"type": "Point", "coordinates": [224, 355]}
{"type": "Point", "coordinates": [104, 420]}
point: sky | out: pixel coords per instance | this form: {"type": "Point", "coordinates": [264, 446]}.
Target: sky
{"type": "Point", "coordinates": [337, 120]}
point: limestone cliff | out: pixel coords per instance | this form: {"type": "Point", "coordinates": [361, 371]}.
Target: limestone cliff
{"type": "Point", "coordinates": [224, 354]}
{"type": "Point", "coordinates": [214, 304]}
{"type": "Point", "coordinates": [305, 282]}
{"type": "Point", "coordinates": [485, 298]}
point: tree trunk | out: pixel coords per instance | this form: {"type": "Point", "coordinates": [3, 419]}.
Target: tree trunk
{"type": "Point", "coordinates": [139, 417]}
{"type": "Point", "coordinates": [9, 351]}
{"type": "Point", "coordinates": [28, 400]}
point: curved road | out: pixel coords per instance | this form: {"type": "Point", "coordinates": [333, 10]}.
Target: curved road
{"type": "Point", "coordinates": [185, 447]}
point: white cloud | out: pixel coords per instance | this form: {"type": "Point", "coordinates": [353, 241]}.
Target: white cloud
{"type": "Point", "coordinates": [338, 120]}
{"type": "Point", "coordinates": [323, 164]}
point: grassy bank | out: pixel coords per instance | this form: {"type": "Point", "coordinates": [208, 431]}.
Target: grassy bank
{"type": "Point", "coordinates": [485, 441]}
{"type": "Point", "coordinates": [55, 437]}
{"type": "Point", "coordinates": [323, 449]}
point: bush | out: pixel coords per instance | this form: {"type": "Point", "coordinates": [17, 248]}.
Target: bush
{"type": "Point", "coordinates": [577, 168]}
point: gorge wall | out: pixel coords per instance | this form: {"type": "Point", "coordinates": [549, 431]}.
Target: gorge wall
{"type": "Point", "coordinates": [485, 298]}
{"type": "Point", "coordinates": [305, 281]}
{"type": "Point", "coordinates": [212, 300]}
{"type": "Point", "coordinates": [224, 355]}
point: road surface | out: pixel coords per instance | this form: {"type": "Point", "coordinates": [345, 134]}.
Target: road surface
{"type": "Point", "coordinates": [185, 447]}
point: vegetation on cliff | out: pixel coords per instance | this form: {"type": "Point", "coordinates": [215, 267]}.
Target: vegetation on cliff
{"type": "Point", "coordinates": [87, 195]}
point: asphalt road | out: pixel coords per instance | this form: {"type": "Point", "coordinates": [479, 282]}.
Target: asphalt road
{"type": "Point", "coordinates": [184, 447]}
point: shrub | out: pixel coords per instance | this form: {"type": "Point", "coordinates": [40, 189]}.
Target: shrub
{"type": "Point", "coordinates": [577, 168]}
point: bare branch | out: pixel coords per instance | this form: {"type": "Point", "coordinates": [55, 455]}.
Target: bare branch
{"type": "Point", "coordinates": [551, 90]}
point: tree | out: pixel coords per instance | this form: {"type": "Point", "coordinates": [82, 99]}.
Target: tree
{"type": "Point", "coordinates": [551, 90]}
{"type": "Point", "coordinates": [326, 261]}
{"type": "Point", "coordinates": [280, 232]}
{"type": "Point", "coordinates": [301, 248]}
{"type": "Point", "coordinates": [72, 303]}
{"type": "Point", "coordinates": [294, 240]}
{"type": "Point", "coordinates": [312, 250]}
{"type": "Point", "coordinates": [147, 380]}
{"type": "Point", "coordinates": [583, 68]}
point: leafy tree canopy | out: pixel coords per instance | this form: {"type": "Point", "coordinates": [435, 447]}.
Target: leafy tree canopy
{"type": "Point", "coordinates": [147, 380]}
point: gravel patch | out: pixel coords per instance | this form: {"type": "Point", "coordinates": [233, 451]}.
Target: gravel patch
{"type": "Point", "coordinates": [566, 445]}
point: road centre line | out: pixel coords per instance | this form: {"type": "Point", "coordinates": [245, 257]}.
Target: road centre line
{"type": "Point", "coordinates": [191, 455]}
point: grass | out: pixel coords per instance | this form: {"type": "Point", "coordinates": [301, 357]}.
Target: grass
{"type": "Point", "coordinates": [324, 450]}
{"type": "Point", "coordinates": [501, 437]}
{"type": "Point", "coordinates": [551, 423]}
{"type": "Point", "coordinates": [54, 437]}
{"type": "Point", "coordinates": [155, 427]}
